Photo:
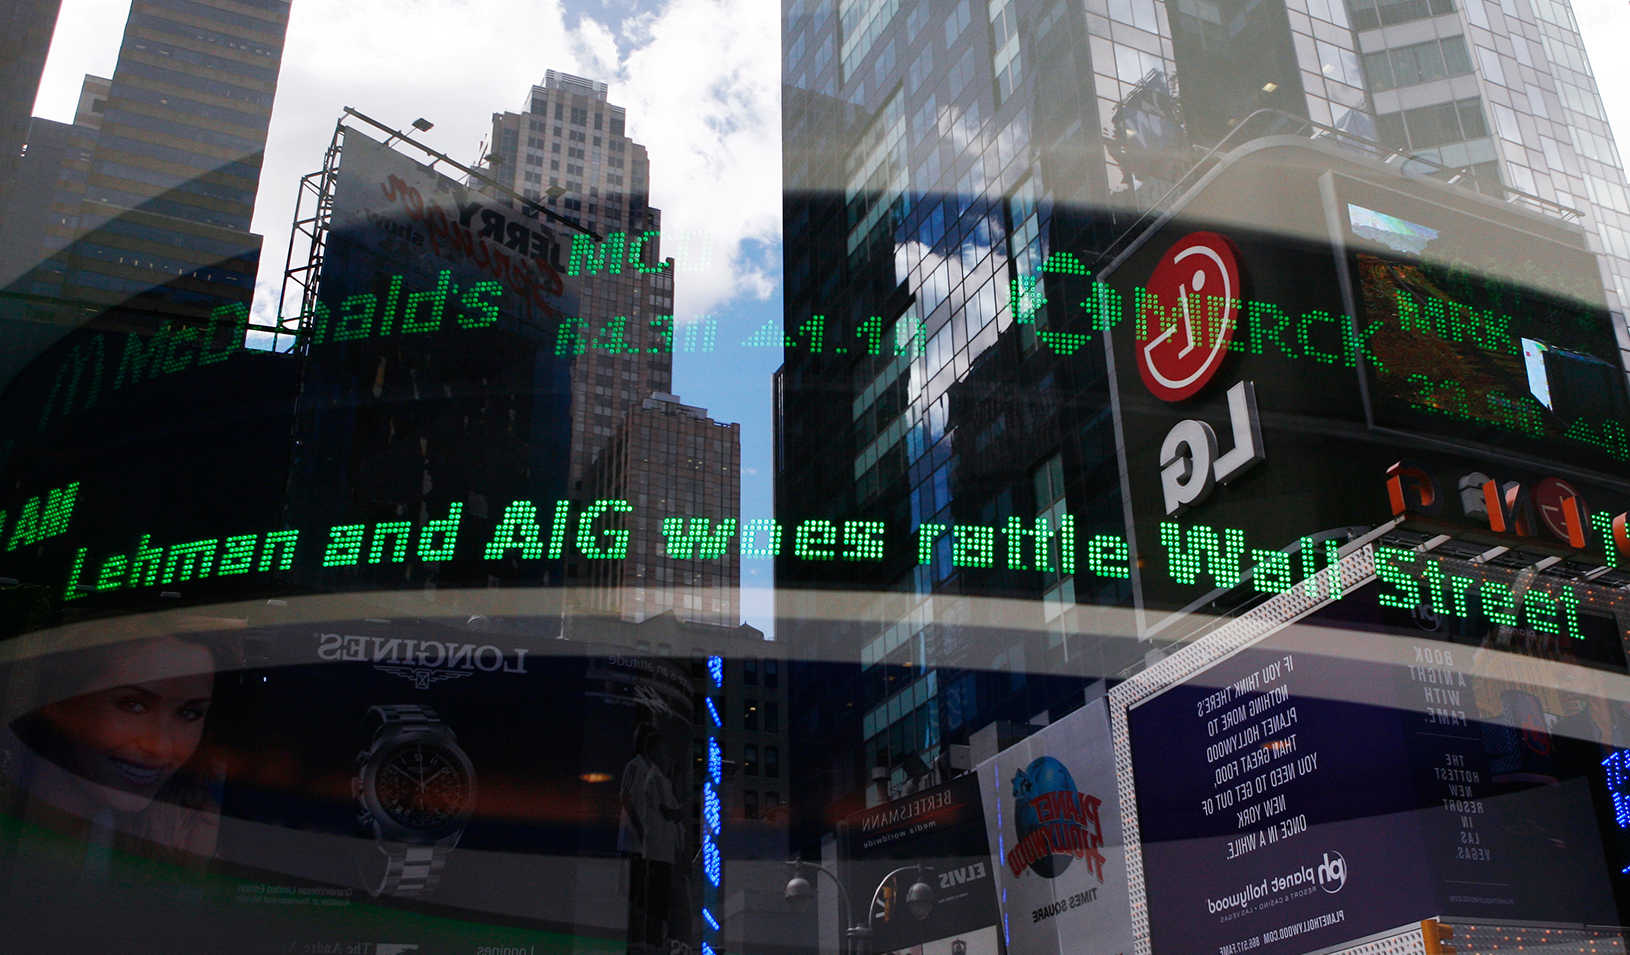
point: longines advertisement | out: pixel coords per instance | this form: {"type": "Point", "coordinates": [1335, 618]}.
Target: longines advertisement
{"type": "Point", "coordinates": [377, 785]}
{"type": "Point", "coordinates": [1056, 845]}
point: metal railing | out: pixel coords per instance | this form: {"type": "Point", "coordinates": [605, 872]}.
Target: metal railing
{"type": "Point", "coordinates": [1280, 123]}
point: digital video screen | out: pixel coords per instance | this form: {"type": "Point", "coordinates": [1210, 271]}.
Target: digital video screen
{"type": "Point", "coordinates": [1488, 336]}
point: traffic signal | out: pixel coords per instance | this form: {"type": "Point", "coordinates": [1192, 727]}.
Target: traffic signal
{"type": "Point", "coordinates": [1434, 934]}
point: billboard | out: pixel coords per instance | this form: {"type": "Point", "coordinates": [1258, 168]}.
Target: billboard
{"type": "Point", "coordinates": [433, 376]}
{"type": "Point", "coordinates": [365, 783]}
{"type": "Point", "coordinates": [1323, 785]}
{"type": "Point", "coordinates": [1305, 321]}
{"type": "Point", "coordinates": [1056, 846]}
{"type": "Point", "coordinates": [941, 829]}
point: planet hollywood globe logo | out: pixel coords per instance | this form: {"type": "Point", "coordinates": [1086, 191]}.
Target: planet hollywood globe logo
{"type": "Point", "coordinates": [1056, 822]}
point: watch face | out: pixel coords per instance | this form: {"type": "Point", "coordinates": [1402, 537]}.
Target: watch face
{"type": "Point", "coordinates": [422, 784]}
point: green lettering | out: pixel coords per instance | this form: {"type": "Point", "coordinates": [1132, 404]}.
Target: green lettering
{"type": "Point", "coordinates": [398, 532]}
{"type": "Point", "coordinates": [345, 545]}
{"type": "Point", "coordinates": [749, 538]}
{"type": "Point", "coordinates": [1271, 571]}
{"type": "Point", "coordinates": [80, 359]}
{"type": "Point", "coordinates": [279, 547]}
{"type": "Point", "coordinates": [1268, 323]}
{"type": "Point", "coordinates": [1221, 559]}
{"type": "Point", "coordinates": [487, 311]}
{"type": "Point", "coordinates": [1016, 532]}
{"type": "Point", "coordinates": [238, 555]}
{"type": "Point", "coordinates": [1570, 612]}
{"type": "Point", "coordinates": [387, 315]}
{"type": "Point", "coordinates": [589, 257]}
{"type": "Point", "coordinates": [702, 536]}
{"type": "Point", "coordinates": [1304, 330]}
{"type": "Point", "coordinates": [1386, 560]}
{"type": "Point", "coordinates": [558, 528]}
{"type": "Point", "coordinates": [436, 301]}
{"type": "Point", "coordinates": [231, 319]}
{"type": "Point", "coordinates": [816, 540]}
{"type": "Point", "coordinates": [111, 576]}
{"type": "Point", "coordinates": [570, 340]}
{"type": "Point", "coordinates": [1539, 608]}
{"type": "Point", "coordinates": [864, 540]}
{"type": "Point", "coordinates": [1107, 556]}
{"type": "Point", "coordinates": [447, 527]}
{"type": "Point", "coordinates": [59, 510]}
{"type": "Point", "coordinates": [186, 561]}
{"type": "Point", "coordinates": [927, 535]}
{"type": "Point", "coordinates": [617, 549]}
{"type": "Point", "coordinates": [146, 564]}
{"type": "Point", "coordinates": [71, 591]}
{"type": "Point", "coordinates": [973, 545]}
{"type": "Point", "coordinates": [356, 317]}
{"type": "Point", "coordinates": [1498, 605]}
{"type": "Point", "coordinates": [518, 530]}
{"type": "Point", "coordinates": [27, 529]}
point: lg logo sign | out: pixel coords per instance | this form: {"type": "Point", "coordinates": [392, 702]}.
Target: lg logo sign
{"type": "Point", "coordinates": [1184, 330]}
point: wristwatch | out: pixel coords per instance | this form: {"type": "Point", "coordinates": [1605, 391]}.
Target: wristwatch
{"type": "Point", "coordinates": [416, 788]}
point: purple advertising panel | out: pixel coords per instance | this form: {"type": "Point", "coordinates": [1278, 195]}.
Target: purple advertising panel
{"type": "Point", "coordinates": [1323, 785]}
{"type": "Point", "coordinates": [1275, 809]}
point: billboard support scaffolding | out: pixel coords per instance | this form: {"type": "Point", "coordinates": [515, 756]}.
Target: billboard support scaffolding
{"type": "Point", "coordinates": [318, 188]}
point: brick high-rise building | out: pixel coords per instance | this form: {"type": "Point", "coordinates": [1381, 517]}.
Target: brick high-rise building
{"type": "Point", "coordinates": [673, 464]}
{"type": "Point", "coordinates": [938, 152]}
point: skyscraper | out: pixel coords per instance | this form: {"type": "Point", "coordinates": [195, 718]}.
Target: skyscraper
{"type": "Point", "coordinates": [23, 47]}
{"type": "Point", "coordinates": [154, 203]}
{"type": "Point", "coordinates": [1507, 92]}
{"type": "Point", "coordinates": [631, 439]}
{"type": "Point", "coordinates": [938, 155]}
{"type": "Point", "coordinates": [681, 470]}
{"type": "Point", "coordinates": [570, 149]}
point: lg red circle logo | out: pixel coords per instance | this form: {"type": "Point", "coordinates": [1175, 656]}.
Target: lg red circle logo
{"type": "Point", "coordinates": [1183, 334]}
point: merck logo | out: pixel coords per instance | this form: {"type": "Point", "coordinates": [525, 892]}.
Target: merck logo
{"type": "Point", "coordinates": [1332, 873]}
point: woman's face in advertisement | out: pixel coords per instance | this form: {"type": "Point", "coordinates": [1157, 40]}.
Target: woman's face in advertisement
{"type": "Point", "coordinates": [134, 735]}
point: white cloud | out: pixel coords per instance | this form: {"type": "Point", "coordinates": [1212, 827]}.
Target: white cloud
{"type": "Point", "coordinates": [86, 41]}
{"type": "Point", "coordinates": [702, 88]}
{"type": "Point", "coordinates": [454, 63]}
{"type": "Point", "coordinates": [1604, 24]}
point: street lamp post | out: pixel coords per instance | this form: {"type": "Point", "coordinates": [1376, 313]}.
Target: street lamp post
{"type": "Point", "coordinates": [800, 894]}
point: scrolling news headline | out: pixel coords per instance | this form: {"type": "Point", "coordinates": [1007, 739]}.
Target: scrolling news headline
{"type": "Point", "coordinates": [1191, 553]}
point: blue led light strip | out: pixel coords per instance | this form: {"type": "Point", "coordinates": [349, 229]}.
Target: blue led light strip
{"type": "Point", "coordinates": [712, 811]}
{"type": "Point", "coordinates": [1618, 786]}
